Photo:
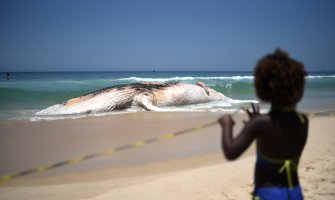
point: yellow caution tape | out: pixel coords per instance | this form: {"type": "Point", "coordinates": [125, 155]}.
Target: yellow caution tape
{"type": "Point", "coordinates": [105, 152]}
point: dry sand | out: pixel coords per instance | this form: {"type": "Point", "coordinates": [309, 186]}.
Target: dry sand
{"type": "Point", "coordinates": [190, 166]}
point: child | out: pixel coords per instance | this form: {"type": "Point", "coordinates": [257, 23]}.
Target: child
{"type": "Point", "coordinates": [280, 135]}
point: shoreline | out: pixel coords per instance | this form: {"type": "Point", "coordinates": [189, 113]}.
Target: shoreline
{"type": "Point", "coordinates": [29, 115]}
{"type": "Point", "coordinates": [265, 109]}
{"type": "Point", "coordinates": [190, 166]}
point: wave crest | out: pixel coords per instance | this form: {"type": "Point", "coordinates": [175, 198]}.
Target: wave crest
{"type": "Point", "coordinates": [319, 77]}
{"type": "Point", "coordinates": [186, 78]}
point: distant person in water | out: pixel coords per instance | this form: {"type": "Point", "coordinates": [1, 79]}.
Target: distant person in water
{"type": "Point", "coordinates": [280, 134]}
{"type": "Point", "coordinates": [8, 76]}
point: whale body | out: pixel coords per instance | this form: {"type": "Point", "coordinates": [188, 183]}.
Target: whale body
{"type": "Point", "coordinates": [150, 96]}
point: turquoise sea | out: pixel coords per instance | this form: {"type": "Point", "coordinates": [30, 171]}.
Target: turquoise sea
{"type": "Point", "coordinates": [25, 93]}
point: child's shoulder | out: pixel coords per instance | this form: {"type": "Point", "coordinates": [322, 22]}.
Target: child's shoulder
{"type": "Point", "coordinates": [260, 120]}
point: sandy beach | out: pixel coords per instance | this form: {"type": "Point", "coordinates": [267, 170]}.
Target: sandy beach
{"type": "Point", "coordinates": [189, 166]}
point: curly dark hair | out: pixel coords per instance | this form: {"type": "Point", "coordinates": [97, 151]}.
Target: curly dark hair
{"type": "Point", "coordinates": [279, 79]}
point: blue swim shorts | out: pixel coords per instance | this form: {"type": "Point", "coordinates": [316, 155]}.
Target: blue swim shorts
{"type": "Point", "coordinates": [278, 193]}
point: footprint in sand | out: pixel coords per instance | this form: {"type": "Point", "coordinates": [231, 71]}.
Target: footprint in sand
{"type": "Point", "coordinates": [309, 168]}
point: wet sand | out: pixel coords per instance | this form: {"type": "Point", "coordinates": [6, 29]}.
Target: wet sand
{"type": "Point", "coordinates": [190, 166]}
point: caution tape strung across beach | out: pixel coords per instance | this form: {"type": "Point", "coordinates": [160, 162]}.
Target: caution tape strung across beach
{"type": "Point", "coordinates": [105, 152]}
{"type": "Point", "coordinates": [135, 144]}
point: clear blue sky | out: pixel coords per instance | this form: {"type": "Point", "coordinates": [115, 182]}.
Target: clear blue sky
{"type": "Point", "coordinates": [81, 35]}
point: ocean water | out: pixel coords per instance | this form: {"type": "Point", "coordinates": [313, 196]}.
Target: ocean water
{"type": "Point", "coordinates": [26, 93]}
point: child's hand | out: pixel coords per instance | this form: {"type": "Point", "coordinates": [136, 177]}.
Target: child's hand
{"type": "Point", "coordinates": [253, 113]}
{"type": "Point", "coordinates": [226, 120]}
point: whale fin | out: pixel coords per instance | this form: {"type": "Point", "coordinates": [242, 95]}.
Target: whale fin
{"type": "Point", "coordinates": [145, 101]}
{"type": "Point", "coordinates": [203, 85]}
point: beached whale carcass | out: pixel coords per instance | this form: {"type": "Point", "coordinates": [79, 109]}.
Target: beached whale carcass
{"type": "Point", "coordinates": [151, 96]}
